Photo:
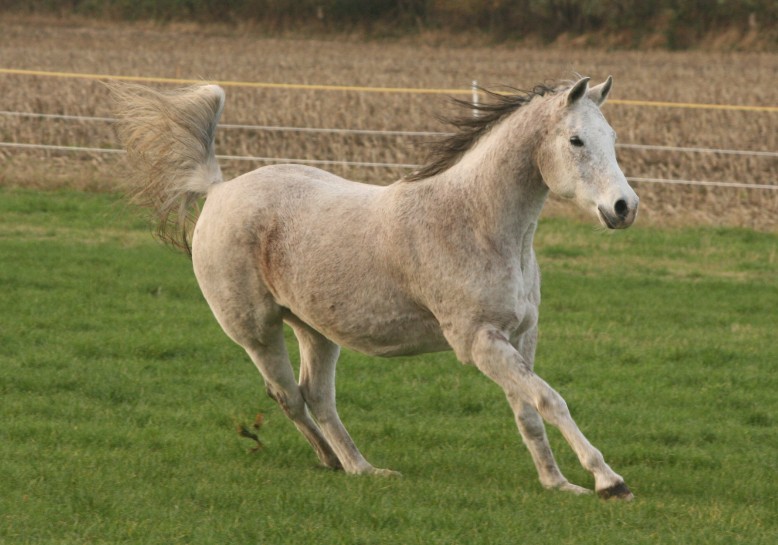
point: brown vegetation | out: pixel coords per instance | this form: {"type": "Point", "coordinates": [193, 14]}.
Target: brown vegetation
{"type": "Point", "coordinates": [672, 24]}
{"type": "Point", "coordinates": [217, 54]}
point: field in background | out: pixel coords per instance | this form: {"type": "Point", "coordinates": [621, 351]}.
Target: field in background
{"type": "Point", "coordinates": [673, 24]}
{"type": "Point", "coordinates": [214, 53]}
{"type": "Point", "coordinates": [121, 396]}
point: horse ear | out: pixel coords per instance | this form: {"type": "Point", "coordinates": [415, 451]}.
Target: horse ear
{"type": "Point", "coordinates": [599, 93]}
{"type": "Point", "coordinates": [577, 91]}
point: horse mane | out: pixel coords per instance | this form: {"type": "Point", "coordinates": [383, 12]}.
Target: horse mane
{"type": "Point", "coordinates": [475, 120]}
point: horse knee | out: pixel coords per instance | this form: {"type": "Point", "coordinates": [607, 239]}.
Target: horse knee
{"type": "Point", "coordinates": [552, 407]}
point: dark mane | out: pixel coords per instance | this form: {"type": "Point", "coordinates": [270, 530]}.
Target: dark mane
{"type": "Point", "coordinates": [469, 127]}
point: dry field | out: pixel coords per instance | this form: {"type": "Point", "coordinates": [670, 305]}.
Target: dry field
{"type": "Point", "coordinates": [216, 54]}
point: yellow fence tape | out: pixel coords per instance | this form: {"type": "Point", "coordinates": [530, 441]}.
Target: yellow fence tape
{"type": "Point", "coordinates": [363, 89]}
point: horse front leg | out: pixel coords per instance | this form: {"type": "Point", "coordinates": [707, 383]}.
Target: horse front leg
{"type": "Point", "coordinates": [533, 431]}
{"type": "Point", "coordinates": [527, 393]}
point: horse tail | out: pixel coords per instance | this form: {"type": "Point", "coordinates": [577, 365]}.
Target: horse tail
{"type": "Point", "coordinates": [169, 138]}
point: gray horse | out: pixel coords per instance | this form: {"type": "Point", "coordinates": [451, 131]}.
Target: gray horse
{"type": "Point", "coordinates": [440, 260]}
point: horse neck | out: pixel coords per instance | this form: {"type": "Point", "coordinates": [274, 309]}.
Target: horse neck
{"type": "Point", "coordinates": [498, 182]}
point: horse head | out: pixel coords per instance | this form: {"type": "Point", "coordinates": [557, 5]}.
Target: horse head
{"type": "Point", "coordinates": [577, 156]}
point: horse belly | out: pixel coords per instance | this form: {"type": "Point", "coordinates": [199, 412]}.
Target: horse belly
{"type": "Point", "coordinates": [383, 327]}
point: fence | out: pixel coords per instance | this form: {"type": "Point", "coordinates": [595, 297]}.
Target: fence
{"type": "Point", "coordinates": [422, 134]}
{"type": "Point", "coordinates": [771, 185]}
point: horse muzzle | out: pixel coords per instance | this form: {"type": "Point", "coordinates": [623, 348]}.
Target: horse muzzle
{"type": "Point", "coordinates": [619, 215]}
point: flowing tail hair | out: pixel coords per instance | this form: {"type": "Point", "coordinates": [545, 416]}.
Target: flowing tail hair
{"type": "Point", "coordinates": [169, 138]}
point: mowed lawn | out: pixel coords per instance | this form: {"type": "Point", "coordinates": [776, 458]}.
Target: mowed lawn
{"type": "Point", "coordinates": [120, 398]}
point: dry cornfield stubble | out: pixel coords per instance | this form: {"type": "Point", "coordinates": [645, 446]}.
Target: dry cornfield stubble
{"type": "Point", "coordinates": [217, 55]}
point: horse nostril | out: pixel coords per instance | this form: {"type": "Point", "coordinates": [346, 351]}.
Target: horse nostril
{"type": "Point", "coordinates": [621, 208]}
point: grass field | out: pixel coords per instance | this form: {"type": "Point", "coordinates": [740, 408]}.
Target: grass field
{"type": "Point", "coordinates": [121, 398]}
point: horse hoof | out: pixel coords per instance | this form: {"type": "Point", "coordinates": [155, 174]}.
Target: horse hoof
{"type": "Point", "coordinates": [618, 491]}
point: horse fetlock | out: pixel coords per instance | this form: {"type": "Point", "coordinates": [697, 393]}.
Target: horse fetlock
{"type": "Point", "coordinates": [567, 486]}
{"type": "Point", "coordinates": [363, 467]}
{"type": "Point", "coordinates": [385, 472]}
{"type": "Point", "coordinates": [329, 459]}
{"type": "Point", "coordinates": [594, 462]}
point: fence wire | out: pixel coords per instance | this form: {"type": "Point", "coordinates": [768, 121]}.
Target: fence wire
{"type": "Point", "coordinates": [378, 133]}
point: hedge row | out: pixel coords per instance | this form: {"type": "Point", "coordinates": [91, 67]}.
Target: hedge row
{"type": "Point", "coordinates": [502, 18]}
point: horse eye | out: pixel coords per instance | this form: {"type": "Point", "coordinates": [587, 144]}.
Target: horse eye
{"type": "Point", "coordinates": [576, 141]}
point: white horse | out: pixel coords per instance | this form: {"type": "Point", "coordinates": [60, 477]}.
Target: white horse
{"type": "Point", "coordinates": [439, 260]}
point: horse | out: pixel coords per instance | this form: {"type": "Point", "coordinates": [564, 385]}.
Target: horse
{"type": "Point", "coordinates": [442, 259]}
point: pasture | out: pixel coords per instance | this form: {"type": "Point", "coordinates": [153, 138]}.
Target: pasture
{"type": "Point", "coordinates": [121, 398]}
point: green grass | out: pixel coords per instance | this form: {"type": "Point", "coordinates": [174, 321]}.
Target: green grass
{"type": "Point", "coordinates": [119, 399]}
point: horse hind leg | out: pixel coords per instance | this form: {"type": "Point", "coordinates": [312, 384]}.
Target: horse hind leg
{"type": "Point", "coordinates": [243, 306]}
{"type": "Point", "coordinates": [318, 358]}
{"type": "Point", "coordinates": [272, 360]}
